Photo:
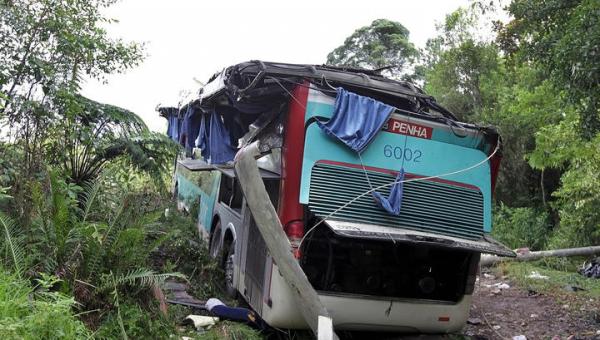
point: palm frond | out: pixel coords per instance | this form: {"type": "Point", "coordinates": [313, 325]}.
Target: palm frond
{"type": "Point", "coordinates": [89, 195]}
{"type": "Point", "coordinates": [12, 244]}
{"type": "Point", "coordinates": [140, 277]}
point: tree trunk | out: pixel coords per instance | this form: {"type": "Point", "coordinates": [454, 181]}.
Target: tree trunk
{"type": "Point", "coordinates": [488, 260]}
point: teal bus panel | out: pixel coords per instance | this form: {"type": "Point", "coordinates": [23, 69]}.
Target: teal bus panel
{"type": "Point", "coordinates": [199, 188]}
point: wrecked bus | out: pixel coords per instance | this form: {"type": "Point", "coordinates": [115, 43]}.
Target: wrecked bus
{"type": "Point", "coordinates": [384, 195]}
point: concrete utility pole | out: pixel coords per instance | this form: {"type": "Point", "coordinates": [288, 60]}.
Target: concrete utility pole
{"type": "Point", "coordinates": [488, 260]}
{"type": "Point", "coordinates": [270, 228]}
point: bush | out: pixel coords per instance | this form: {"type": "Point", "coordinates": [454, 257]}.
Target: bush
{"type": "Point", "coordinates": [521, 227]}
{"type": "Point", "coordinates": [138, 323]}
{"type": "Point", "coordinates": [29, 314]}
{"type": "Point", "coordinates": [184, 251]}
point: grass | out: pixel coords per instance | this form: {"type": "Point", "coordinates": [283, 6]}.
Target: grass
{"type": "Point", "coordinates": [228, 330]}
{"type": "Point", "coordinates": [26, 313]}
{"type": "Point", "coordinates": [560, 273]}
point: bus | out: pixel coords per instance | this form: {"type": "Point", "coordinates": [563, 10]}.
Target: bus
{"type": "Point", "coordinates": [412, 271]}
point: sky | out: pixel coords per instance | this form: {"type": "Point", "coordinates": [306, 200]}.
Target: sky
{"type": "Point", "coordinates": [189, 40]}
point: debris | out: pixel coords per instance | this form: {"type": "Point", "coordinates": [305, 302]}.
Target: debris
{"type": "Point", "coordinates": [489, 276]}
{"type": "Point", "coordinates": [474, 321]}
{"type": "Point", "coordinates": [200, 321]}
{"type": "Point", "coordinates": [572, 288]}
{"type": "Point", "coordinates": [519, 337]}
{"type": "Point", "coordinates": [499, 285]}
{"type": "Point", "coordinates": [591, 269]}
{"type": "Point", "coordinates": [533, 316]}
{"type": "Point", "coordinates": [496, 327]}
{"type": "Point", "coordinates": [535, 275]}
{"type": "Point", "coordinates": [502, 285]}
{"type": "Point", "coordinates": [496, 291]}
{"type": "Point", "coordinates": [177, 294]}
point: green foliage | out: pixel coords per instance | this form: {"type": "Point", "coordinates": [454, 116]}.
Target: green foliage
{"type": "Point", "coordinates": [138, 277]}
{"type": "Point", "coordinates": [12, 245]}
{"type": "Point", "coordinates": [563, 38]}
{"type": "Point", "coordinates": [90, 134]}
{"type": "Point", "coordinates": [139, 323]}
{"type": "Point", "coordinates": [525, 104]}
{"type": "Point", "coordinates": [184, 251]}
{"type": "Point", "coordinates": [39, 314]}
{"type": "Point", "coordinates": [47, 45]}
{"type": "Point", "coordinates": [231, 331]}
{"type": "Point", "coordinates": [383, 43]}
{"type": "Point", "coordinates": [462, 71]}
{"type": "Point", "coordinates": [521, 227]}
{"type": "Point", "coordinates": [561, 146]}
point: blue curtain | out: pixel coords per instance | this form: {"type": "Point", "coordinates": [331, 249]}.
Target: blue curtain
{"type": "Point", "coordinates": [355, 122]}
{"type": "Point", "coordinates": [220, 149]}
{"type": "Point", "coordinates": [202, 141]}
{"type": "Point", "coordinates": [356, 119]}
{"type": "Point", "coordinates": [393, 203]}
{"type": "Point", "coordinates": [173, 127]}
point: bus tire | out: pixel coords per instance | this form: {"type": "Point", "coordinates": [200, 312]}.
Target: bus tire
{"type": "Point", "coordinates": [215, 241]}
{"type": "Point", "coordinates": [228, 268]}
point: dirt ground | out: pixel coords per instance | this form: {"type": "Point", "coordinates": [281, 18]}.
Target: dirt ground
{"type": "Point", "coordinates": [502, 311]}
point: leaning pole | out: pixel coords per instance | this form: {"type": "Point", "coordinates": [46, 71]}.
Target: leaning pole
{"type": "Point", "coordinates": [270, 228]}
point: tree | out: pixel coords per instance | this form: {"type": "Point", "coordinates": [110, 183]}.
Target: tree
{"type": "Point", "coordinates": [466, 72]}
{"type": "Point", "coordinates": [563, 38]}
{"type": "Point", "coordinates": [462, 71]}
{"type": "Point", "coordinates": [48, 46]}
{"type": "Point", "coordinates": [560, 146]}
{"type": "Point", "coordinates": [91, 134]}
{"type": "Point", "coordinates": [384, 43]}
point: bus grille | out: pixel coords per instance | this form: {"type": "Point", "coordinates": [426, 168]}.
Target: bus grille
{"type": "Point", "coordinates": [426, 205]}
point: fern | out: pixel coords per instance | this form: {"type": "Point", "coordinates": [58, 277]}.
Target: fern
{"type": "Point", "coordinates": [13, 247]}
{"type": "Point", "coordinates": [115, 293]}
{"type": "Point", "coordinates": [88, 198]}
{"type": "Point", "coordinates": [140, 277]}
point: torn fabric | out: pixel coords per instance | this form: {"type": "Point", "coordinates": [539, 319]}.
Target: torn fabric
{"type": "Point", "coordinates": [393, 202]}
{"type": "Point", "coordinates": [220, 149]}
{"type": "Point", "coordinates": [356, 119]}
{"type": "Point", "coordinates": [202, 141]}
{"type": "Point", "coordinates": [173, 124]}
{"type": "Point", "coordinates": [191, 126]}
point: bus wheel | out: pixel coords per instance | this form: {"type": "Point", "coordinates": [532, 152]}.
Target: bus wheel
{"type": "Point", "coordinates": [228, 269]}
{"type": "Point", "coordinates": [215, 241]}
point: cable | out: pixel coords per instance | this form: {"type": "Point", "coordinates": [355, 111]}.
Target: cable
{"type": "Point", "coordinates": [392, 183]}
